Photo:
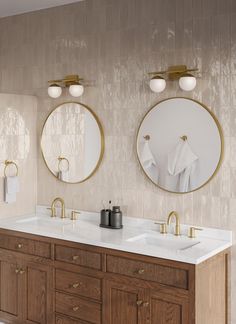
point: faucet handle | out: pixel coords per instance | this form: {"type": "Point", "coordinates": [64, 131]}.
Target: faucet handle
{"type": "Point", "coordinates": [74, 215]}
{"type": "Point", "coordinates": [163, 227]}
{"type": "Point", "coordinates": [192, 231]}
{"type": "Point", "coordinates": [53, 211]}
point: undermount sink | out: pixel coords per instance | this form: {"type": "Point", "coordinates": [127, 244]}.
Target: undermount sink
{"type": "Point", "coordinates": [36, 220]}
{"type": "Point", "coordinates": [165, 242]}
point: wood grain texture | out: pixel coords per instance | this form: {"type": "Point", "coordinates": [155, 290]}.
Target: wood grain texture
{"type": "Point", "coordinates": [78, 307]}
{"type": "Point", "coordinates": [78, 256]}
{"type": "Point", "coordinates": [60, 319]}
{"type": "Point", "coordinates": [211, 291]}
{"type": "Point", "coordinates": [78, 284]}
{"type": "Point", "coordinates": [148, 271]}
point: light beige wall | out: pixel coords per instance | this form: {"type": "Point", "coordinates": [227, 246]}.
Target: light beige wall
{"type": "Point", "coordinates": [113, 44]}
{"type": "Point", "coordinates": [18, 143]}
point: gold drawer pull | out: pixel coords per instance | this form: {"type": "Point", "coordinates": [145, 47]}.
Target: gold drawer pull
{"type": "Point", "coordinates": [139, 302]}
{"type": "Point", "coordinates": [19, 246]}
{"type": "Point", "coordinates": [75, 257]}
{"type": "Point", "coordinates": [140, 271]}
{"type": "Point", "coordinates": [146, 304]}
{"type": "Point", "coordinates": [76, 285]}
{"type": "Point", "coordinates": [76, 308]}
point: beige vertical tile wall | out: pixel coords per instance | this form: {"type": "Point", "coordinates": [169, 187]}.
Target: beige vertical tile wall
{"type": "Point", "coordinates": [18, 143]}
{"type": "Point", "coordinates": [113, 44]}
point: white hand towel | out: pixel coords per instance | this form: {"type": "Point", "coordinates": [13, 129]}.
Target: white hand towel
{"type": "Point", "coordinates": [63, 175]}
{"type": "Point", "coordinates": [11, 187]}
{"type": "Point", "coordinates": [146, 156]}
{"type": "Point", "coordinates": [182, 162]}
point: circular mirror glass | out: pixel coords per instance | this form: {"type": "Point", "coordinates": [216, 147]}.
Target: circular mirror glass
{"type": "Point", "coordinates": [180, 145]}
{"type": "Point", "coordinates": [72, 142]}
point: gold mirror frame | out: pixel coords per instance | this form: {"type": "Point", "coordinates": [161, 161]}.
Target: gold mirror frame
{"type": "Point", "coordinates": [221, 141]}
{"type": "Point", "coordinates": [101, 134]}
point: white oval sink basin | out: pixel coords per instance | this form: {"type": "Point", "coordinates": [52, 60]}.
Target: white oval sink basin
{"type": "Point", "coordinates": [36, 220]}
{"type": "Point", "coordinates": [165, 242]}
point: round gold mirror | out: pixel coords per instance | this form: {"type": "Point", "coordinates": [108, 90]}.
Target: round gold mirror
{"type": "Point", "coordinates": [180, 145]}
{"type": "Point", "coordinates": [72, 142]}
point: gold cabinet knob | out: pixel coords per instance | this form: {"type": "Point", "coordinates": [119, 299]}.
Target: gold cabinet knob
{"type": "Point", "coordinates": [140, 271]}
{"type": "Point", "coordinates": [21, 272]}
{"type": "Point", "coordinates": [19, 246]}
{"type": "Point", "coordinates": [75, 257]}
{"type": "Point", "coordinates": [139, 302]}
{"type": "Point", "coordinates": [17, 270]}
{"type": "Point", "coordinates": [76, 285]}
{"type": "Point", "coordinates": [75, 308]}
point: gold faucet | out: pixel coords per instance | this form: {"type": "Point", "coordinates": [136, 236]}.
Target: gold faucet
{"type": "Point", "coordinates": [177, 223]}
{"type": "Point", "coordinates": [53, 208]}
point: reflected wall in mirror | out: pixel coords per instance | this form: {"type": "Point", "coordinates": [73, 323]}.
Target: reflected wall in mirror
{"type": "Point", "coordinates": [180, 145]}
{"type": "Point", "coordinates": [72, 142]}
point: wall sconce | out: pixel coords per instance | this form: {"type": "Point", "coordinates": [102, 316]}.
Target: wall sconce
{"type": "Point", "coordinates": [187, 81]}
{"type": "Point", "coordinates": [76, 89]}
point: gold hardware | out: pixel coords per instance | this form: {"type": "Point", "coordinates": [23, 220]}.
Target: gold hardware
{"type": "Point", "coordinates": [76, 285]}
{"type": "Point", "coordinates": [146, 304]}
{"type": "Point", "coordinates": [67, 80]}
{"type": "Point", "coordinates": [7, 163]}
{"type": "Point", "coordinates": [76, 308]}
{"type": "Point", "coordinates": [17, 270]}
{"type": "Point", "coordinates": [74, 215]}
{"type": "Point", "coordinates": [19, 246]}
{"type": "Point", "coordinates": [177, 223]}
{"type": "Point", "coordinates": [53, 211]}
{"type": "Point", "coordinates": [139, 302]}
{"type": "Point", "coordinates": [60, 159]}
{"type": "Point", "coordinates": [141, 271]}
{"type": "Point", "coordinates": [147, 137]}
{"type": "Point", "coordinates": [192, 231]}
{"type": "Point", "coordinates": [88, 109]}
{"type": "Point", "coordinates": [174, 72]}
{"type": "Point", "coordinates": [184, 138]}
{"type": "Point", "coordinates": [163, 227]}
{"type": "Point", "coordinates": [75, 257]}
{"type": "Point", "coordinates": [21, 272]}
{"type": "Point", "coordinates": [62, 206]}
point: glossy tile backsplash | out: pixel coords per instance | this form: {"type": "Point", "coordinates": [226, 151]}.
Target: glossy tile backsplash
{"type": "Point", "coordinates": [114, 44]}
{"type": "Point", "coordinates": [18, 143]}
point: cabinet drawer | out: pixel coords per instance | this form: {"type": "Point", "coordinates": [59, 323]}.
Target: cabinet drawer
{"type": "Point", "coordinates": [78, 256]}
{"type": "Point", "coordinates": [79, 308]}
{"type": "Point", "coordinates": [148, 271]}
{"type": "Point", "coordinates": [67, 320]}
{"type": "Point", "coordinates": [24, 245]}
{"type": "Point", "coordinates": [78, 284]}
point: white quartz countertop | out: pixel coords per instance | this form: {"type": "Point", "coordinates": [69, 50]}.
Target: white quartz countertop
{"type": "Point", "coordinates": [139, 235]}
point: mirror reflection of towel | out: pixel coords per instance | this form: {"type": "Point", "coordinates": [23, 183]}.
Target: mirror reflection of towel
{"type": "Point", "coordinates": [63, 175]}
{"type": "Point", "coordinates": [146, 156]}
{"type": "Point", "coordinates": [182, 162]}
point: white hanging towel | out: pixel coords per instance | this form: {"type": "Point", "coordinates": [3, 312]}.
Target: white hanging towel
{"type": "Point", "coordinates": [11, 188]}
{"type": "Point", "coordinates": [182, 161]}
{"type": "Point", "coordinates": [63, 175]}
{"type": "Point", "coordinates": [146, 156]}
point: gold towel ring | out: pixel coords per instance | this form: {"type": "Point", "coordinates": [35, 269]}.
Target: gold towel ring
{"type": "Point", "coordinates": [7, 163]}
{"type": "Point", "coordinates": [60, 159]}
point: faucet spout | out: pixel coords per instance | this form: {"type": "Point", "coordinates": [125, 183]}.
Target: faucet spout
{"type": "Point", "coordinates": [177, 222]}
{"type": "Point", "coordinates": [58, 199]}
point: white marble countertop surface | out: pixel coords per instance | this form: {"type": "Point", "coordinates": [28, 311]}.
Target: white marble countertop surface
{"type": "Point", "coordinates": [139, 235]}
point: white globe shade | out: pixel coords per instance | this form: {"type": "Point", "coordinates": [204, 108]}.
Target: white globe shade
{"type": "Point", "coordinates": [157, 84]}
{"type": "Point", "coordinates": [76, 90]}
{"type": "Point", "coordinates": [187, 82]}
{"type": "Point", "coordinates": [54, 91]}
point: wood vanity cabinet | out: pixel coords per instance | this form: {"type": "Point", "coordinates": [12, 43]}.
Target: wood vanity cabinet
{"type": "Point", "coordinates": [50, 281]}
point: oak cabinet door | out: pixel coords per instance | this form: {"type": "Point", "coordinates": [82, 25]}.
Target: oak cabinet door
{"type": "Point", "coordinates": [123, 304]}
{"type": "Point", "coordinates": [38, 304]}
{"type": "Point", "coordinates": [168, 309]}
{"type": "Point", "coordinates": [11, 290]}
